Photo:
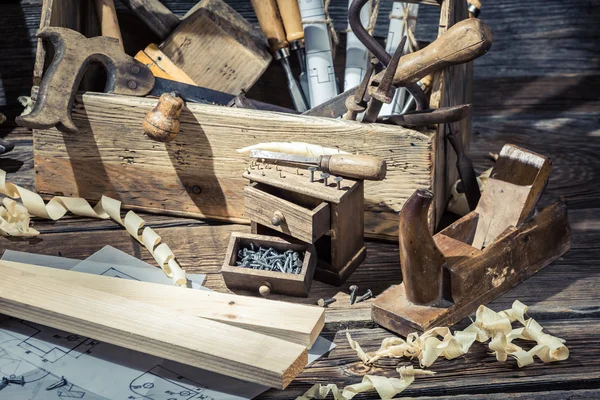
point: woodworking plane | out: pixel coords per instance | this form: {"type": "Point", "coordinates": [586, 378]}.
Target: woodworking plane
{"type": "Point", "coordinates": [479, 257]}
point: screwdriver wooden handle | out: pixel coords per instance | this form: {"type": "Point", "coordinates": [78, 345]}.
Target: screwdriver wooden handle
{"type": "Point", "coordinates": [162, 123]}
{"type": "Point", "coordinates": [270, 22]}
{"type": "Point", "coordinates": [354, 166]}
{"type": "Point", "coordinates": [107, 16]}
{"type": "Point", "coordinates": [463, 42]}
{"type": "Point", "coordinates": [292, 21]}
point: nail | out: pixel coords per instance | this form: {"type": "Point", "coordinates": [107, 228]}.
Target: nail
{"type": "Point", "coordinates": [19, 381]}
{"type": "Point", "coordinates": [353, 290]}
{"type": "Point", "coordinates": [338, 181]}
{"type": "Point", "coordinates": [62, 382]}
{"type": "Point", "coordinates": [325, 302]}
{"type": "Point", "coordinates": [312, 173]}
{"type": "Point", "coordinates": [325, 176]}
{"type": "Point", "coordinates": [365, 296]}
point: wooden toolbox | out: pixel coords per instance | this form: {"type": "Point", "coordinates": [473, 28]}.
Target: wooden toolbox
{"type": "Point", "coordinates": [200, 174]}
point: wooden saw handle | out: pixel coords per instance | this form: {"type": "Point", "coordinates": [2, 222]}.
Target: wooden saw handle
{"type": "Point", "coordinates": [270, 22]}
{"type": "Point", "coordinates": [356, 166]}
{"type": "Point", "coordinates": [463, 42]}
{"type": "Point", "coordinates": [107, 16]}
{"type": "Point", "coordinates": [292, 21]}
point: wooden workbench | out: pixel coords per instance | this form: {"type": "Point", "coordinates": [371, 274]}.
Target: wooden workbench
{"type": "Point", "coordinates": [537, 88]}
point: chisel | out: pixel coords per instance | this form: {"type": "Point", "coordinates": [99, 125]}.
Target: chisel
{"type": "Point", "coordinates": [270, 22]}
{"type": "Point", "coordinates": [355, 166]}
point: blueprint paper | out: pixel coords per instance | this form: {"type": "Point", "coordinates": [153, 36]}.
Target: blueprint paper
{"type": "Point", "coordinates": [107, 371]}
{"type": "Point", "coordinates": [39, 259]}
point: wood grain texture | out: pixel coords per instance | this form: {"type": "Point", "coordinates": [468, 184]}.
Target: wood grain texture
{"type": "Point", "coordinates": [200, 173]}
{"type": "Point", "coordinates": [199, 342]}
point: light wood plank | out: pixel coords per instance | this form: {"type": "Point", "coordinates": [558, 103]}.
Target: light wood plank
{"type": "Point", "coordinates": [295, 323]}
{"type": "Point", "coordinates": [198, 342]}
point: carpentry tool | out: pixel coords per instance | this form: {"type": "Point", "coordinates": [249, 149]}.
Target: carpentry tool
{"type": "Point", "coordinates": [357, 103]}
{"type": "Point", "coordinates": [357, 55]}
{"type": "Point", "coordinates": [162, 123]}
{"type": "Point", "coordinates": [319, 59]}
{"type": "Point", "coordinates": [125, 75]}
{"type": "Point", "coordinates": [283, 202]}
{"type": "Point", "coordinates": [428, 117]}
{"type": "Point", "coordinates": [480, 256]}
{"type": "Point", "coordinates": [6, 146]}
{"type": "Point", "coordinates": [463, 42]}
{"type": "Point", "coordinates": [270, 22]}
{"type": "Point", "coordinates": [107, 16]}
{"type": "Point", "coordinates": [465, 168]}
{"type": "Point", "coordinates": [161, 66]}
{"type": "Point", "coordinates": [155, 15]}
{"type": "Point", "coordinates": [292, 22]}
{"type": "Point", "coordinates": [356, 166]}
{"type": "Point", "coordinates": [474, 8]}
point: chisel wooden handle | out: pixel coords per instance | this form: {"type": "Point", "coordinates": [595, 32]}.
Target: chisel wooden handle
{"type": "Point", "coordinates": [107, 16]}
{"type": "Point", "coordinates": [463, 42]}
{"type": "Point", "coordinates": [292, 21]}
{"type": "Point", "coordinates": [270, 22]}
{"type": "Point", "coordinates": [354, 166]}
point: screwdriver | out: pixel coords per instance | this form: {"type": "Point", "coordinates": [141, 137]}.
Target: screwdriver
{"type": "Point", "coordinates": [270, 22]}
{"type": "Point", "coordinates": [356, 166]}
{"type": "Point", "coordinates": [292, 22]}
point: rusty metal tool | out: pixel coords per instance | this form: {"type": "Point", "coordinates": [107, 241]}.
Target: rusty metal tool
{"type": "Point", "coordinates": [465, 168]}
{"type": "Point", "coordinates": [463, 42]}
{"type": "Point", "coordinates": [125, 75]}
{"type": "Point", "coordinates": [428, 117]}
{"type": "Point", "coordinates": [357, 103]}
{"type": "Point", "coordinates": [270, 22]}
{"type": "Point", "coordinates": [356, 166]}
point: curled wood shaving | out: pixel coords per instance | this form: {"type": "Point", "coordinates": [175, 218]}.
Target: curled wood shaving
{"type": "Point", "coordinates": [440, 342]}
{"type": "Point", "coordinates": [14, 221]}
{"type": "Point", "coordinates": [26, 102]}
{"type": "Point", "coordinates": [387, 388]}
{"type": "Point", "coordinates": [298, 148]}
{"type": "Point", "coordinates": [458, 201]}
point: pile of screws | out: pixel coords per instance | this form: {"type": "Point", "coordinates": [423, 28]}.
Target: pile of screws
{"type": "Point", "coordinates": [269, 259]}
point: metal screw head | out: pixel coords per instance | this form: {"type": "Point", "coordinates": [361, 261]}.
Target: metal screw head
{"type": "Point", "coordinates": [196, 189]}
{"type": "Point", "coordinates": [325, 302]}
{"type": "Point", "coordinates": [135, 69]}
{"type": "Point", "coordinates": [131, 84]}
{"type": "Point", "coordinates": [353, 290]}
{"type": "Point", "coordinates": [338, 180]}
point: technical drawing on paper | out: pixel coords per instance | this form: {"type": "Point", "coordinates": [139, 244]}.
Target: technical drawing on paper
{"type": "Point", "coordinates": [48, 345]}
{"type": "Point", "coordinates": [160, 383]}
{"type": "Point", "coordinates": [115, 273]}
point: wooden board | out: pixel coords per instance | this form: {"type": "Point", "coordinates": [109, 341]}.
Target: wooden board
{"type": "Point", "coordinates": [200, 174]}
{"type": "Point", "coordinates": [297, 323]}
{"type": "Point", "coordinates": [198, 342]}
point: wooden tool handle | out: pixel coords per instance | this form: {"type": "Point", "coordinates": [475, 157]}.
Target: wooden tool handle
{"type": "Point", "coordinates": [155, 15]}
{"type": "Point", "coordinates": [162, 123]}
{"type": "Point", "coordinates": [355, 166]}
{"type": "Point", "coordinates": [463, 42]}
{"type": "Point", "coordinates": [107, 16]}
{"type": "Point", "coordinates": [292, 21]}
{"type": "Point", "coordinates": [270, 23]}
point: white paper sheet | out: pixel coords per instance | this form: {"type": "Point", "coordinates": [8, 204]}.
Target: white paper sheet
{"type": "Point", "coordinates": [107, 371]}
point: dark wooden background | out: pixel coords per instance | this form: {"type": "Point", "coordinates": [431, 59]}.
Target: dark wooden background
{"type": "Point", "coordinates": [537, 88]}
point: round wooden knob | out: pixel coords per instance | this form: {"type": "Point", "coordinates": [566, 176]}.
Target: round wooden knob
{"type": "Point", "coordinates": [265, 289]}
{"type": "Point", "coordinates": [162, 123]}
{"type": "Point", "coordinates": [277, 219]}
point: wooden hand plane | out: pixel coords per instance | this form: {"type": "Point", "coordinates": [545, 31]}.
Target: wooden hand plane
{"type": "Point", "coordinates": [480, 256]}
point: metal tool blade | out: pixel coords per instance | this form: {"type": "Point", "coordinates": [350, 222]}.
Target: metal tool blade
{"type": "Point", "coordinates": [283, 157]}
{"type": "Point", "coordinates": [429, 117]}
{"type": "Point", "coordinates": [332, 108]}
{"type": "Point", "coordinates": [197, 94]}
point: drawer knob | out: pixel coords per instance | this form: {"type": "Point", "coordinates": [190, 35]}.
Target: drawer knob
{"type": "Point", "coordinates": [264, 289]}
{"type": "Point", "coordinates": [277, 219]}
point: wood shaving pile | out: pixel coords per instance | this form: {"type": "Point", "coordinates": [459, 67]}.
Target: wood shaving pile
{"type": "Point", "coordinates": [15, 218]}
{"type": "Point", "coordinates": [440, 342]}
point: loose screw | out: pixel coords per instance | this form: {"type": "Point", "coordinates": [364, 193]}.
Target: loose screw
{"type": "Point", "coordinates": [338, 181]}
{"type": "Point", "coordinates": [312, 173]}
{"type": "Point", "coordinates": [353, 290]}
{"type": "Point", "coordinates": [325, 176]}
{"type": "Point", "coordinates": [325, 302]}
{"type": "Point", "coordinates": [365, 296]}
{"type": "Point", "coordinates": [62, 382]}
{"type": "Point", "coordinates": [19, 381]}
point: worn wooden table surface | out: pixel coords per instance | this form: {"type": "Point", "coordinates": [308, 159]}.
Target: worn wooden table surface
{"type": "Point", "coordinates": [537, 88]}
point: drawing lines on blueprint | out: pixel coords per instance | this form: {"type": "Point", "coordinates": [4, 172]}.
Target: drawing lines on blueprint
{"type": "Point", "coordinates": [115, 273]}
{"type": "Point", "coordinates": [160, 383]}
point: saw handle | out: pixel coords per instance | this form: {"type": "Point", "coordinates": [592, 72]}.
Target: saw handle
{"type": "Point", "coordinates": [292, 21]}
{"type": "Point", "coordinates": [355, 166]}
{"type": "Point", "coordinates": [270, 22]}
{"type": "Point", "coordinates": [463, 42]}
